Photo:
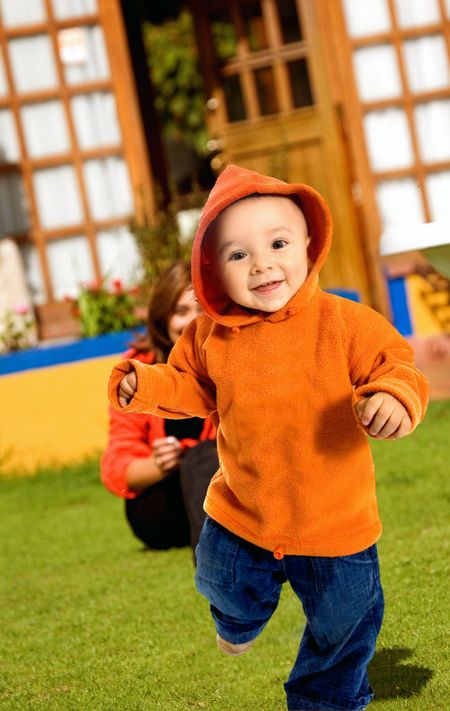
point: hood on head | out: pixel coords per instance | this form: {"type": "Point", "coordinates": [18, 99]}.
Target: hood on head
{"type": "Point", "coordinates": [232, 185]}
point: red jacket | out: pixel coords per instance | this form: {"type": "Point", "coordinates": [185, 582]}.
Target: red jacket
{"type": "Point", "coordinates": [132, 437]}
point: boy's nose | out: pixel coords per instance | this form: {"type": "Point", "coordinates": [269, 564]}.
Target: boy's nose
{"type": "Point", "coordinates": [261, 265]}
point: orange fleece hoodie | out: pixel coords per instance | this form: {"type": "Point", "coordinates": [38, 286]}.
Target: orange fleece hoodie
{"type": "Point", "coordinates": [296, 474]}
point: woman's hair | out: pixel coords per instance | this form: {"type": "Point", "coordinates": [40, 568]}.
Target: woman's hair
{"type": "Point", "coordinates": [165, 295]}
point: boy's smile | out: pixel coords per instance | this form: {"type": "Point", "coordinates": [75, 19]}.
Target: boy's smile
{"type": "Point", "coordinates": [260, 250]}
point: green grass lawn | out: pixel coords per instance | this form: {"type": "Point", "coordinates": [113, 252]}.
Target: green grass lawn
{"type": "Point", "coordinates": [88, 620]}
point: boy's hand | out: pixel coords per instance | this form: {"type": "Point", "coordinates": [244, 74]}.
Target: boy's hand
{"type": "Point", "coordinates": [127, 388]}
{"type": "Point", "coordinates": [385, 417]}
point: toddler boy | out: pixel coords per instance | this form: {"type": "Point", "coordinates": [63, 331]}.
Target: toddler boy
{"type": "Point", "coordinates": [297, 378]}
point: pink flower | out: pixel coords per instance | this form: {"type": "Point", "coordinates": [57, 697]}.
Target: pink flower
{"type": "Point", "coordinates": [117, 286]}
{"type": "Point", "coordinates": [21, 309]}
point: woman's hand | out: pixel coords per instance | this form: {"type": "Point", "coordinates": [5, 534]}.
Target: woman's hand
{"type": "Point", "coordinates": [167, 453]}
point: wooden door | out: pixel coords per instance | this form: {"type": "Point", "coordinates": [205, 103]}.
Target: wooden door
{"type": "Point", "coordinates": [270, 110]}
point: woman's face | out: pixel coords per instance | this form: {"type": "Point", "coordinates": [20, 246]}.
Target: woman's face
{"type": "Point", "coordinates": [186, 309]}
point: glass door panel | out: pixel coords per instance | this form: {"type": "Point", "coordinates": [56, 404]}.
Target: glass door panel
{"type": "Point", "coordinates": [95, 117]}
{"type": "Point", "coordinates": [91, 60]}
{"type": "Point", "coordinates": [45, 129]}
{"type": "Point", "coordinates": [9, 145]}
{"type": "Point", "coordinates": [427, 63]}
{"type": "Point", "coordinates": [64, 9]}
{"type": "Point", "coordinates": [33, 63]}
{"type": "Point", "coordinates": [58, 197]}
{"type": "Point", "coordinates": [70, 265]}
{"type": "Point", "coordinates": [108, 188]}
{"type": "Point", "coordinates": [14, 13]}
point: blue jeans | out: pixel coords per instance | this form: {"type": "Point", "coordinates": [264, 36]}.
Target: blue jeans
{"type": "Point", "coordinates": [342, 600]}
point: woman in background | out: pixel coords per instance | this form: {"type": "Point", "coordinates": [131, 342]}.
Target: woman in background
{"type": "Point", "coordinates": [162, 468]}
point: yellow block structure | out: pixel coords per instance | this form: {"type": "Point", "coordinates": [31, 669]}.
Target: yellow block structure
{"type": "Point", "coordinates": [54, 415]}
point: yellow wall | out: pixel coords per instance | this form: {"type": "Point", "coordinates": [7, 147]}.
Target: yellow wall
{"type": "Point", "coordinates": [53, 415]}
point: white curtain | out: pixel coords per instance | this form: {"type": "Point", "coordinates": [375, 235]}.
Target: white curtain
{"type": "Point", "coordinates": [9, 146]}
{"type": "Point", "coordinates": [108, 188]}
{"type": "Point", "coordinates": [400, 203]}
{"type": "Point", "coordinates": [438, 185]}
{"type": "Point", "coordinates": [70, 265]}
{"type": "Point", "coordinates": [433, 127]}
{"type": "Point", "coordinates": [73, 8]}
{"type": "Point", "coordinates": [3, 82]}
{"type": "Point", "coordinates": [388, 139]}
{"type": "Point", "coordinates": [13, 211]}
{"type": "Point", "coordinates": [119, 256]}
{"type": "Point", "coordinates": [366, 17]}
{"type": "Point", "coordinates": [22, 12]}
{"type": "Point", "coordinates": [377, 73]}
{"type": "Point", "coordinates": [96, 66]}
{"type": "Point", "coordinates": [95, 118]}
{"type": "Point", "coordinates": [45, 129]}
{"type": "Point", "coordinates": [411, 13]}
{"type": "Point", "coordinates": [57, 197]}
{"type": "Point", "coordinates": [427, 63]}
{"type": "Point", "coordinates": [33, 63]}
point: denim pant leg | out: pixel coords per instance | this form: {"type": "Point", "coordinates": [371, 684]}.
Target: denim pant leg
{"type": "Point", "coordinates": [240, 580]}
{"type": "Point", "coordinates": [343, 603]}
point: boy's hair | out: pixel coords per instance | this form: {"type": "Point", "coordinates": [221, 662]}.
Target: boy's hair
{"type": "Point", "coordinates": [210, 230]}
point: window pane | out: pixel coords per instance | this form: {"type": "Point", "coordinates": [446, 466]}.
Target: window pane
{"type": "Point", "coordinates": [45, 129]}
{"type": "Point", "coordinates": [119, 256]}
{"type": "Point", "coordinates": [70, 265]}
{"type": "Point", "coordinates": [73, 8]}
{"type": "Point", "coordinates": [433, 127]}
{"type": "Point", "coordinates": [13, 208]}
{"type": "Point", "coordinates": [377, 73]}
{"type": "Point", "coordinates": [224, 36]}
{"type": "Point", "coordinates": [300, 86]}
{"type": "Point", "coordinates": [388, 139]}
{"type": "Point", "coordinates": [32, 265]}
{"type": "Point", "coordinates": [265, 87]}
{"type": "Point", "coordinates": [9, 146]}
{"type": "Point", "coordinates": [95, 118]}
{"type": "Point", "coordinates": [400, 202]}
{"type": "Point", "coordinates": [234, 98]}
{"type": "Point", "coordinates": [22, 12]}
{"type": "Point", "coordinates": [254, 25]}
{"type": "Point", "coordinates": [411, 13]}
{"type": "Point", "coordinates": [33, 63]}
{"type": "Point", "coordinates": [3, 82]}
{"type": "Point", "coordinates": [57, 197]}
{"type": "Point", "coordinates": [289, 21]}
{"type": "Point", "coordinates": [438, 186]}
{"type": "Point", "coordinates": [87, 58]}
{"type": "Point", "coordinates": [427, 63]}
{"type": "Point", "coordinates": [108, 188]}
{"type": "Point", "coordinates": [366, 17]}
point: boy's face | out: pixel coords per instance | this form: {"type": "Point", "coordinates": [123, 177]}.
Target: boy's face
{"type": "Point", "coordinates": [260, 250]}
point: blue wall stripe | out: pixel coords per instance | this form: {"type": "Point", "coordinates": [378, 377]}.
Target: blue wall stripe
{"type": "Point", "coordinates": [400, 308]}
{"type": "Point", "coordinates": [47, 355]}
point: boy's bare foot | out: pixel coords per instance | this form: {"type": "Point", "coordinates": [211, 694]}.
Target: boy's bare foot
{"type": "Point", "coordinates": [234, 650]}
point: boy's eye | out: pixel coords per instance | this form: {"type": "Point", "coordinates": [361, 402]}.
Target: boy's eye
{"type": "Point", "coordinates": [236, 256]}
{"type": "Point", "coordinates": [279, 244]}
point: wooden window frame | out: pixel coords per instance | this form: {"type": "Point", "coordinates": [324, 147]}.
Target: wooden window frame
{"type": "Point", "coordinates": [131, 146]}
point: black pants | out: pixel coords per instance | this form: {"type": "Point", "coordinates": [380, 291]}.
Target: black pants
{"type": "Point", "coordinates": [170, 513]}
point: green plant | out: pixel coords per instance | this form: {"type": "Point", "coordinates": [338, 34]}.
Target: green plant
{"type": "Point", "coordinates": [158, 239]}
{"type": "Point", "coordinates": [173, 62]}
{"type": "Point", "coordinates": [17, 329]}
{"type": "Point", "coordinates": [101, 310]}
